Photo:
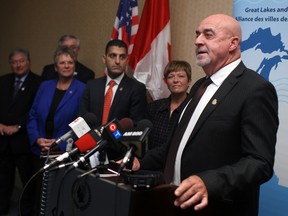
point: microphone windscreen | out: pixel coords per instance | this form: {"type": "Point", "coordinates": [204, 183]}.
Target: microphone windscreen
{"type": "Point", "coordinates": [144, 123]}
{"type": "Point", "coordinates": [126, 124]}
{"type": "Point", "coordinates": [90, 118]}
{"type": "Point", "coordinates": [85, 143]}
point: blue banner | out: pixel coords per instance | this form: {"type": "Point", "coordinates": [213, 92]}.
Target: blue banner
{"type": "Point", "coordinates": [265, 49]}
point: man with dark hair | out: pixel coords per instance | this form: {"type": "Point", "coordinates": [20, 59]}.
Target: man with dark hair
{"type": "Point", "coordinates": [128, 95]}
{"type": "Point", "coordinates": [82, 73]}
{"type": "Point", "coordinates": [17, 91]}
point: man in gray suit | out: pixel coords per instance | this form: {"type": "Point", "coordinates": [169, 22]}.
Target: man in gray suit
{"type": "Point", "coordinates": [81, 73]}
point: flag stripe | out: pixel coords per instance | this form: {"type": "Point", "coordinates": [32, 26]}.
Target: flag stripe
{"type": "Point", "coordinates": [126, 22]}
{"type": "Point", "coordinates": [151, 52]}
{"type": "Point", "coordinates": [155, 17]}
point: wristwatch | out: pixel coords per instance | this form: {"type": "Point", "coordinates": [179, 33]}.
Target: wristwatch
{"type": "Point", "coordinates": [19, 127]}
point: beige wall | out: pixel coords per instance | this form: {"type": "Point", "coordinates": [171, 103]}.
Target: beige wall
{"type": "Point", "coordinates": [37, 25]}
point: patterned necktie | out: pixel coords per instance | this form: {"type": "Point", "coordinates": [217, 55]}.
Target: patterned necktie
{"type": "Point", "coordinates": [107, 102]}
{"type": "Point", "coordinates": [181, 128]}
{"type": "Point", "coordinates": [17, 86]}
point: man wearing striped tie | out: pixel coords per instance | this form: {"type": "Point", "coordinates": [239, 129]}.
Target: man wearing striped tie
{"type": "Point", "coordinates": [17, 91]}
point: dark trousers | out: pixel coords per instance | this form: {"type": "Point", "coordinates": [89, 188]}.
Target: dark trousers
{"type": "Point", "coordinates": [8, 164]}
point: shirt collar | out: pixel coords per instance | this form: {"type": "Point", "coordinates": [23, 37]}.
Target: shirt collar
{"type": "Point", "coordinates": [166, 104]}
{"type": "Point", "coordinates": [219, 77]}
{"type": "Point", "coordinates": [117, 79]}
{"type": "Point", "coordinates": [22, 78]}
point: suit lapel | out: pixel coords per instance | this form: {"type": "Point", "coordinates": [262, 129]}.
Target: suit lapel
{"type": "Point", "coordinates": [23, 88]}
{"type": "Point", "coordinates": [100, 95]}
{"type": "Point", "coordinates": [9, 83]}
{"type": "Point", "coordinates": [218, 97]}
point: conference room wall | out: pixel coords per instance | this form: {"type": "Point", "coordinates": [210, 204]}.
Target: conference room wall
{"type": "Point", "coordinates": [37, 25]}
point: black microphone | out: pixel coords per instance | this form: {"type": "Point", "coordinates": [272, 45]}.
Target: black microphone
{"type": "Point", "coordinates": [137, 136]}
{"type": "Point", "coordinates": [129, 156]}
{"type": "Point", "coordinates": [100, 137]}
{"type": "Point", "coordinates": [112, 132]}
{"type": "Point", "coordinates": [93, 138]}
{"type": "Point", "coordinates": [79, 127]}
{"type": "Point", "coordinates": [134, 141]}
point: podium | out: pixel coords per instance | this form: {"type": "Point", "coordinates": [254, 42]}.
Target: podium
{"type": "Point", "coordinates": [69, 194]}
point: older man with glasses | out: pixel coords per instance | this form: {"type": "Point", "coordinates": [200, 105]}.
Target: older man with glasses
{"type": "Point", "coordinates": [17, 91]}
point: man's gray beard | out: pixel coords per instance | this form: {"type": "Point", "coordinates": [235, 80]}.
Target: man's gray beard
{"type": "Point", "coordinates": [202, 63]}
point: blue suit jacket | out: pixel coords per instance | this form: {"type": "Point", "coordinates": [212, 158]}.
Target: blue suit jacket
{"type": "Point", "coordinates": [66, 112]}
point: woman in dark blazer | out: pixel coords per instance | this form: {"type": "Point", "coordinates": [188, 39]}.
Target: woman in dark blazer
{"type": "Point", "coordinates": [164, 113]}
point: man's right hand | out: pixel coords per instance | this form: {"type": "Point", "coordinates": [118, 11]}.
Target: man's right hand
{"type": "Point", "coordinates": [2, 129]}
{"type": "Point", "coordinates": [136, 164]}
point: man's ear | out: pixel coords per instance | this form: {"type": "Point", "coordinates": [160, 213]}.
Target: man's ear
{"type": "Point", "coordinates": [234, 43]}
{"type": "Point", "coordinates": [104, 59]}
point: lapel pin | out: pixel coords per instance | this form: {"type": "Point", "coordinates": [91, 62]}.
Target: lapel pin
{"type": "Point", "coordinates": [23, 89]}
{"type": "Point", "coordinates": [214, 102]}
{"type": "Point", "coordinates": [121, 89]}
{"type": "Point", "coordinates": [70, 91]}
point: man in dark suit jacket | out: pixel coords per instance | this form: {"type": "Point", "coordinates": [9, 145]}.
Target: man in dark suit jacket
{"type": "Point", "coordinates": [129, 99]}
{"type": "Point", "coordinates": [82, 73]}
{"type": "Point", "coordinates": [14, 142]}
{"type": "Point", "coordinates": [228, 147]}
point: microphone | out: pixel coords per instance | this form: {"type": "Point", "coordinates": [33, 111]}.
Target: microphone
{"type": "Point", "coordinates": [114, 129]}
{"type": "Point", "coordinates": [85, 146]}
{"type": "Point", "coordinates": [137, 136]}
{"type": "Point", "coordinates": [111, 131]}
{"type": "Point", "coordinates": [61, 166]}
{"type": "Point", "coordinates": [92, 140]}
{"type": "Point", "coordinates": [101, 144]}
{"type": "Point", "coordinates": [79, 127]}
{"type": "Point", "coordinates": [134, 141]}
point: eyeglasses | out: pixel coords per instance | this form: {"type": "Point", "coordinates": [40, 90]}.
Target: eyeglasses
{"type": "Point", "coordinates": [63, 63]}
{"type": "Point", "coordinates": [21, 61]}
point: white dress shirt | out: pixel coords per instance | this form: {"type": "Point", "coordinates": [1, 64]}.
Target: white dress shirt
{"type": "Point", "coordinates": [217, 79]}
{"type": "Point", "coordinates": [94, 159]}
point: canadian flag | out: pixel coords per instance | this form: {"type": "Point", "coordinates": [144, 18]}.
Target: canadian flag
{"type": "Point", "coordinates": [152, 47]}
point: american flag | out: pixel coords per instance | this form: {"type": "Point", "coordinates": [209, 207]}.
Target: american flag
{"type": "Point", "coordinates": [126, 23]}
